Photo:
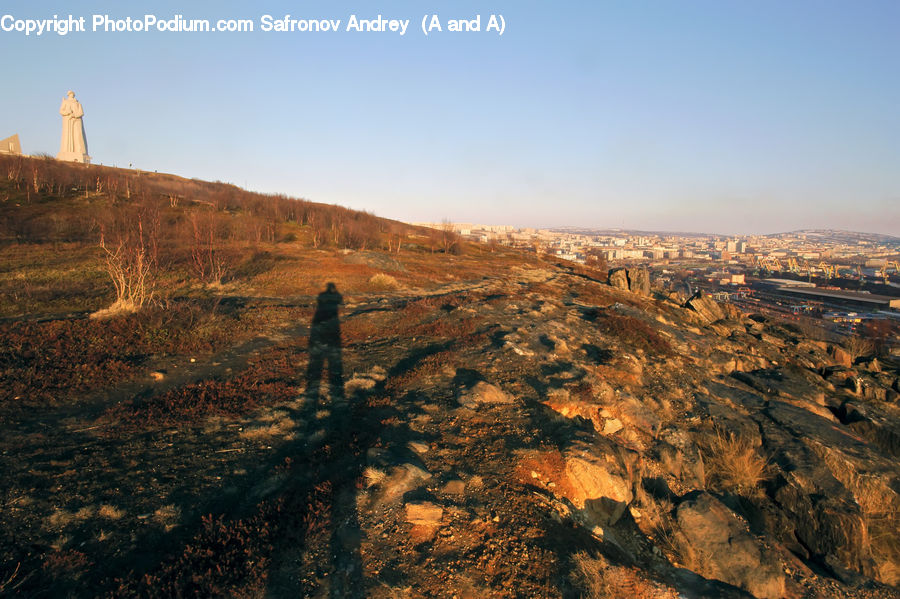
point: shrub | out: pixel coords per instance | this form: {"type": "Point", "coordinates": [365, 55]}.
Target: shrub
{"type": "Point", "coordinates": [383, 281]}
{"type": "Point", "coordinates": [733, 462]}
{"type": "Point", "coordinates": [601, 579]}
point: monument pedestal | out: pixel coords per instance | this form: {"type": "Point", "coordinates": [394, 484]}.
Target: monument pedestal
{"type": "Point", "coordinates": [74, 157]}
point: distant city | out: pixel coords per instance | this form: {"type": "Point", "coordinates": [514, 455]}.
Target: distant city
{"type": "Point", "coordinates": [838, 280]}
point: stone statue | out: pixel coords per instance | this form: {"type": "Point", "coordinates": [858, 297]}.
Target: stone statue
{"type": "Point", "coordinates": [73, 146]}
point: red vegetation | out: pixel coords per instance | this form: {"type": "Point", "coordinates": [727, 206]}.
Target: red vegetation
{"type": "Point", "coordinates": [633, 332]}
{"type": "Point", "coordinates": [61, 359]}
{"type": "Point", "coordinates": [268, 381]}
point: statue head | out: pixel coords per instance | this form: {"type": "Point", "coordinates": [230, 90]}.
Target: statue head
{"type": "Point", "coordinates": [71, 94]}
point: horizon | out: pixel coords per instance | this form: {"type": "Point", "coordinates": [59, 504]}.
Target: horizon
{"type": "Point", "coordinates": [725, 119]}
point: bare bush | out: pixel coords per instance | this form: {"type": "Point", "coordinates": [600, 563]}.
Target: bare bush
{"type": "Point", "coordinates": [129, 265]}
{"type": "Point", "coordinates": [207, 259]}
{"type": "Point", "coordinates": [858, 346]}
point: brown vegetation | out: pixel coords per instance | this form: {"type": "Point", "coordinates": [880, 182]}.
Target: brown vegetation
{"type": "Point", "coordinates": [733, 463]}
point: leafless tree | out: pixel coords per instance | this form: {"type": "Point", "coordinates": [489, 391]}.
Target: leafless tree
{"type": "Point", "coordinates": [129, 265]}
{"type": "Point", "coordinates": [207, 259]}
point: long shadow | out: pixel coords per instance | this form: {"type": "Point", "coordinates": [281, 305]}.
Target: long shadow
{"type": "Point", "coordinates": [345, 435]}
{"type": "Point", "coordinates": [325, 346]}
{"type": "Point", "coordinates": [345, 443]}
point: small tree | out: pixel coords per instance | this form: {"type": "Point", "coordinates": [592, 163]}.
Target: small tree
{"type": "Point", "coordinates": [450, 241]}
{"type": "Point", "coordinates": [129, 266]}
{"type": "Point", "coordinates": [207, 259]}
{"type": "Point", "coordinates": [858, 346]}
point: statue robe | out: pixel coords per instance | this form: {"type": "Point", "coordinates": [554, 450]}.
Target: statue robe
{"type": "Point", "coordinates": [73, 145]}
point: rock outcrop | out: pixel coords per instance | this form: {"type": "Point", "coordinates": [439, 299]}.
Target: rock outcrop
{"type": "Point", "coordinates": [636, 280]}
{"type": "Point", "coordinates": [719, 545]}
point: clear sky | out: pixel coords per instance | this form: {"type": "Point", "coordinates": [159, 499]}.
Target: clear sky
{"type": "Point", "coordinates": [722, 116]}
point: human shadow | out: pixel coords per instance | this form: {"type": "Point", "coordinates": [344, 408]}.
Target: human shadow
{"type": "Point", "coordinates": [343, 440]}
{"type": "Point", "coordinates": [325, 345]}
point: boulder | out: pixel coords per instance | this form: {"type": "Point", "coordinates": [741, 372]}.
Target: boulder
{"type": "Point", "coordinates": [636, 280]}
{"type": "Point", "coordinates": [401, 480]}
{"type": "Point", "coordinates": [840, 356]}
{"type": "Point", "coordinates": [724, 548]}
{"type": "Point", "coordinates": [596, 490]}
{"type": "Point", "coordinates": [618, 278]}
{"type": "Point", "coordinates": [639, 281]}
{"type": "Point", "coordinates": [482, 393]}
{"type": "Point", "coordinates": [791, 382]}
{"type": "Point", "coordinates": [706, 308]}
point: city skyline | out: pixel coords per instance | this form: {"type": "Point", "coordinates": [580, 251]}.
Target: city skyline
{"type": "Point", "coordinates": [719, 118]}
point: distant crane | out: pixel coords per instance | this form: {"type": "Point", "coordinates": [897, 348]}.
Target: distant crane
{"type": "Point", "coordinates": [808, 270]}
{"type": "Point", "coordinates": [827, 269]}
{"type": "Point", "coordinates": [886, 268]}
{"type": "Point", "coordinates": [769, 263]}
{"type": "Point", "coordinates": [838, 267]}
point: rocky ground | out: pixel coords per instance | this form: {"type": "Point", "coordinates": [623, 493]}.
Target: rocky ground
{"type": "Point", "coordinates": [535, 433]}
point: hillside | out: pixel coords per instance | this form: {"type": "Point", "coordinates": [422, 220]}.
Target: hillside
{"type": "Point", "coordinates": [293, 399]}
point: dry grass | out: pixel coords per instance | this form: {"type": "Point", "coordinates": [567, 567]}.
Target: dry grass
{"type": "Point", "coordinates": [283, 428]}
{"type": "Point", "coordinates": [60, 518]}
{"type": "Point", "coordinates": [168, 516]}
{"type": "Point", "coordinates": [373, 476]}
{"type": "Point", "coordinates": [601, 579]}
{"type": "Point", "coordinates": [733, 463]}
{"type": "Point", "coordinates": [656, 521]}
{"type": "Point", "coordinates": [383, 281]}
{"type": "Point", "coordinates": [358, 383]}
{"type": "Point", "coordinates": [110, 512]}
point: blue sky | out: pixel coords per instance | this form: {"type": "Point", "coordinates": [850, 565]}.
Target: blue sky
{"type": "Point", "coordinates": [720, 116]}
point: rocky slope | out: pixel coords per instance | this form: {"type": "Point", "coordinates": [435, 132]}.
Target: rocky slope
{"type": "Point", "coordinates": [536, 432]}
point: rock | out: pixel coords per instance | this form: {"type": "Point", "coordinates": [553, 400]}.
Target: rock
{"type": "Point", "coordinates": [725, 549]}
{"type": "Point", "coordinates": [706, 309]}
{"type": "Point", "coordinates": [840, 356]}
{"type": "Point", "coordinates": [872, 365]}
{"type": "Point", "coordinates": [424, 513]}
{"type": "Point", "coordinates": [636, 280]}
{"type": "Point", "coordinates": [633, 413]}
{"type": "Point", "coordinates": [639, 281]}
{"type": "Point", "coordinates": [454, 487]}
{"type": "Point", "coordinates": [789, 382]}
{"type": "Point", "coordinates": [676, 451]}
{"type": "Point", "coordinates": [866, 386]}
{"type": "Point", "coordinates": [838, 375]}
{"type": "Point", "coordinates": [401, 480]}
{"type": "Point", "coordinates": [611, 425]}
{"type": "Point", "coordinates": [618, 278]}
{"type": "Point", "coordinates": [728, 419]}
{"type": "Point", "coordinates": [601, 495]}
{"type": "Point", "coordinates": [824, 513]}
{"type": "Point", "coordinates": [483, 393]}
{"type": "Point", "coordinates": [420, 447]}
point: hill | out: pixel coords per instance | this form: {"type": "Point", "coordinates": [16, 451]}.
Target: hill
{"type": "Point", "coordinates": [301, 406]}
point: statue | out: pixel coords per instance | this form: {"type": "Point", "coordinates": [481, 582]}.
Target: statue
{"type": "Point", "coordinates": [73, 146]}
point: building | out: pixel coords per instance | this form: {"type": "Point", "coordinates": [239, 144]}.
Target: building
{"type": "Point", "coordinates": [11, 145]}
{"type": "Point", "coordinates": [849, 299]}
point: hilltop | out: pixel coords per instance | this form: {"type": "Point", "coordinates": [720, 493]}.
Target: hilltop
{"type": "Point", "coordinates": [444, 419]}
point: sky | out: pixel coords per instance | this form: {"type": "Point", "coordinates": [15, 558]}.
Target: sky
{"type": "Point", "coordinates": [729, 117]}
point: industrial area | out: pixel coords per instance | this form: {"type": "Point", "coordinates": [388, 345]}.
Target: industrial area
{"type": "Point", "coordinates": [833, 283]}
